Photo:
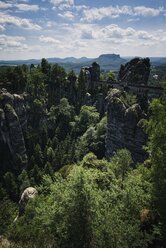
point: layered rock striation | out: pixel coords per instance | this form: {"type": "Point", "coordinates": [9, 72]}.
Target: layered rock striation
{"type": "Point", "coordinates": [125, 127]}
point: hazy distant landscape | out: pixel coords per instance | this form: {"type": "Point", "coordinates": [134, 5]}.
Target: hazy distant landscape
{"type": "Point", "coordinates": [107, 62]}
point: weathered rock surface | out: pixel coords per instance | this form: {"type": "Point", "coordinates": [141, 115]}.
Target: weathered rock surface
{"type": "Point", "coordinates": [124, 128]}
{"type": "Point", "coordinates": [13, 122]}
{"type": "Point", "coordinates": [135, 72]}
{"type": "Point", "coordinates": [28, 193]}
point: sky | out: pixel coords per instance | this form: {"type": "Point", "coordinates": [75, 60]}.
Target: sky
{"type": "Point", "coordinates": [64, 28]}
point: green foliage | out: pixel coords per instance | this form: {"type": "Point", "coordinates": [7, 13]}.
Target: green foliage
{"type": "Point", "coordinates": [84, 201]}
{"type": "Point", "coordinates": [60, 118]}
{"type": "Point", "coordinates": [121, 163]}
{"type": "Point", "coordinates": [88, 117]}
{"type": "Point", "coordinates": [87, 208]}
{"type": "Point", "coordinates": [58, 74]}
{"type": "Point", "coordinates": [45, 67]}
{"type": "Point", "coordinates": [156, 128]}
{"type": "Point", "coordinates": [11, 185]}
{"type": "Point", "coordinates": [81, 87]}
{"type": "Point", "coordinates": [8, 212]}
{"type": "Point", "coordinates": [72, 76]}
{"type": "Point", "coordinates": [93, 140]}
{"type": "Point", "coordinates": [24, 181]}
{"type": "Point", "coordinates": [108, 76]}
{"type": "Point", "coordinates": [35, 85]}
{"type": "Point", "coordinates": [128, 99]}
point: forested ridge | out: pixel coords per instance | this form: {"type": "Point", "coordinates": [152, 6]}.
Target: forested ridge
{"type": "Point", "coordinates": [85, 199]}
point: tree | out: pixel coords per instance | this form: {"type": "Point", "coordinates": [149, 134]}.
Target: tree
{"type": "Point", "coordinates": [35, 85]}
{"type": "Point", "coordinates": [87, 208]}
{"type": "Point", "coordinates": [23, 180]}
{"type": "Point", "coordinates": [38, 156]}
{"type": "Point", "coordinates": [122, 163]}
{"type": "Point", "coordinates": [111, 76]}
{"type": "Point", "coordinates": [45, 66]}
{"type": "Point", "coordinates": [11, 185]}
{"type": "Point", "coordinates": [156, 128]}
{"type": "Point", "coordinates": [81, 88]}
{"type": "Point", "coordinates": [60, 118]}
{"type": "Point", "coordinates": [88, 117]}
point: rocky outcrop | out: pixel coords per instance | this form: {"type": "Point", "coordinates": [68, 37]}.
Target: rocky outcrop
{"type": "Point", "coordinates": [13, 122]}
{"type": "Point", "coordinates": [135, 72]}
{"type": "Point", "coordinates": [92, 76]}
{"type": "Point", "coordinates": [124, 128]}
{"type": "Point", "coordinates": [95, 72]}
{"type": "Point", "coordinates": [29, 193]}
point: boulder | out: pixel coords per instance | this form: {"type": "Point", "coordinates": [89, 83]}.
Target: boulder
{"type": "Point", "coordinates": [28, 193]}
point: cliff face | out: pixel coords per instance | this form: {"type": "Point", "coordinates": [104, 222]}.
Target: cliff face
{"type": "Point", "coordinates": [135, 72]}
{"type": "Point", "coordinates": [13, 122]}
{"type": "Point", "coordinates": [124, 128]}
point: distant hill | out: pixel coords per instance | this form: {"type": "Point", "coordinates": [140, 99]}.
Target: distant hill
{"type": "Point", "coordinates": [158, 60]}
{"type": "Point", "coordinates": [107, 62]}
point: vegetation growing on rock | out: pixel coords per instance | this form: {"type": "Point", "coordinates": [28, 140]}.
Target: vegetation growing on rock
{"type": "Point", "coordinates": [83, 152]}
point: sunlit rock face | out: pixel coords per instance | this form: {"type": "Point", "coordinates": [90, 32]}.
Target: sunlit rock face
{"type": "Point", "coordinates": [28, 193]}
{"type": "Point", "coordinates": [13, 122]}
{"type": "Point", "coordinates": [125, 127]}
{"type": "Point", "coordinates": [135, 72]}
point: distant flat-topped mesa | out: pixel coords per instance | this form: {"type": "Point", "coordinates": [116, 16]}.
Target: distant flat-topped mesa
{"type": "Point", "coordinates": [135, 72]}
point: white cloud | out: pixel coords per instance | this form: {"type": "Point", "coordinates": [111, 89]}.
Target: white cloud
{"type": "Point", "coordinates": [67, 15]}
{"type": "Point", "coordinates": [25, 1]}
{"type": "Point", "coordinates": [133, 20]}
{"type": "Point", "coordinates": [20, 6]}
{"type": "Point", "coordinates": [26, 7]}
{"type": "Point", "coordinates": [62, 4]}
{"type": "Point", "coordinates": [49, 40]}
{"type": "Point", "coordinates": [145, 35]}
{"type": "Point", "coordinates": [92, 14]}
{"type": "Point", "coordinates": [80, 7]}
{"type": "Point", "coordinates": [2, 28]}
{"type": "Point", "coordinates": [5, 5]}
{"type": "Point", "coordinates": [116, 34]}
{"type": "Point", "coordinates": [78, 44]}
{"type": "Point", "coordinates": [87, 34]}
{"type": "Point", "coordinates": [12, 42]}
{"type": "Point", "coordinates": [7, 19]}
{"type": "Point", "coordinates": [144, 11]}
{"type": "Point", "coordinates": [99, 13]}
{"type": "Point", "coordinates": [114, 31]}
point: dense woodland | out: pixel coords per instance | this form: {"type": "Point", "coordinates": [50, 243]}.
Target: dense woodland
{"type": "Point", "coordinates": [84, 199]}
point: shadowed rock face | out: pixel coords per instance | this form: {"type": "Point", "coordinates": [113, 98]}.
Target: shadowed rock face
{"type": "Point", "coordinates": [124, 128]}
{"type": "Point", "coordinates": [13, 122]}
{"type": "Point", "coordinates": [135, 72]}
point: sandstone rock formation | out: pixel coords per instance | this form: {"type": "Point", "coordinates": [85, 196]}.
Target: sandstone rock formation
{"type": "Point", "coordinates": [29, 193]}
{"type": "Point", "coordinates": [13, 122]}
{"type": "Point", "coordinates": [124, 128]}
{"type": "Point", "coordinates": [95, 72]}
{"type": "Point", "coordinates": [92, 76]}
{"type": "Point", "coordinates": [135, 72]}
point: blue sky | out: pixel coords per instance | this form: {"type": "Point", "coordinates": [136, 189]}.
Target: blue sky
{"type": "Point", "coordinates": [62, 28]}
